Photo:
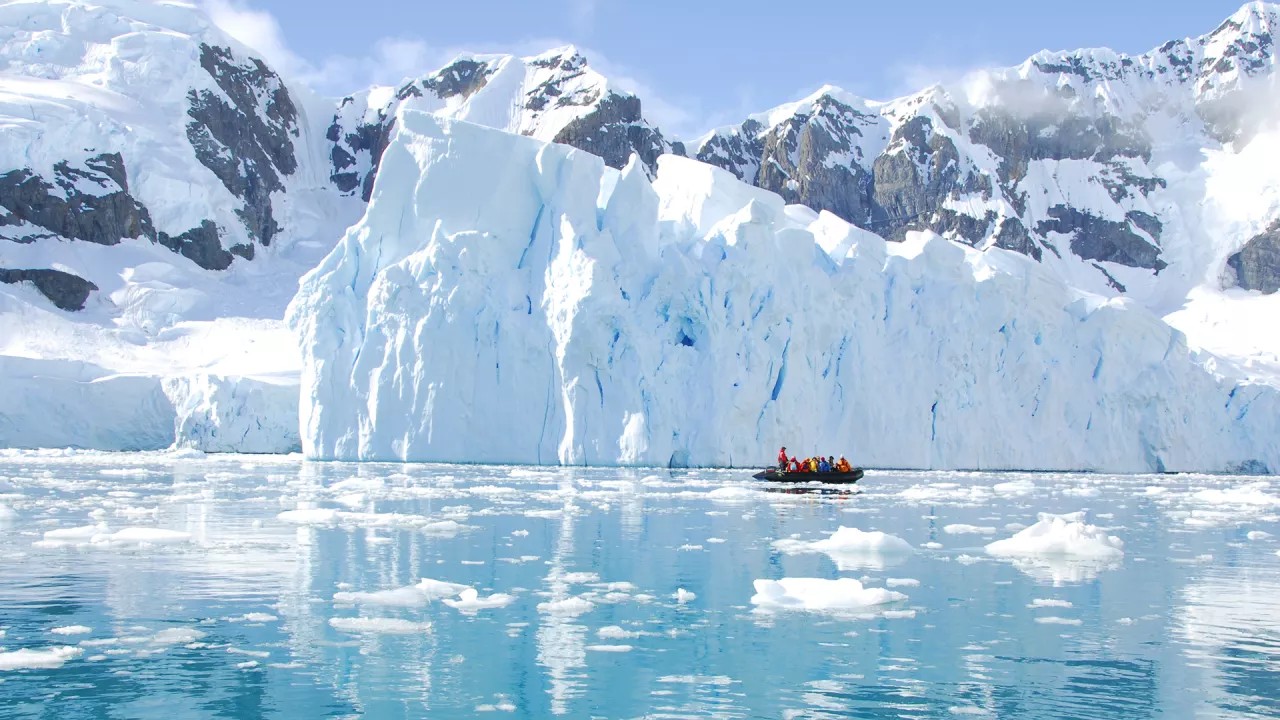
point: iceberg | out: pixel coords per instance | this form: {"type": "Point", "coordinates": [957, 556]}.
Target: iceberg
{"type": "Point", "coordinates": [507, 300]}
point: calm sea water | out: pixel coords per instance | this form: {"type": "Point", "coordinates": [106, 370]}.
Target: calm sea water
{"type": "Point", "coordinates": [630, 594]}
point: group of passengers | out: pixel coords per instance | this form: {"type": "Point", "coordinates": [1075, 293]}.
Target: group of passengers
{"type": "Point", "coordinates": [816, 464]}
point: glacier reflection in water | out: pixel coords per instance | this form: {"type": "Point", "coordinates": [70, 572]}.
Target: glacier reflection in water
{"type": "Point", "coordinates": [163, 586]}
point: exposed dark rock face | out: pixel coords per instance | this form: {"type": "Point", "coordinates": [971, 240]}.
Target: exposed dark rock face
{"type": "Point", "coordinates": [89, 201]}
{"type": "Point", "coordinates": [1095, 238]}
{"type": "Point", "coordinates": [245, 135]}
{"type": "Point", "coordinates": [1257, 265]}
{"type": "Point", "coordinates": [369, 139]}
{"type": "Point", "coordinates": [66, 291]}
{"type": "Point", "coordinates": [913, 178]}
{"type": "Point", "coordinates": [614, 131]}
{"type": "Point", "coordinates": [203, 246]}
{"type": "Point", "coordinates": [739, 153]}
{"type": "Point", "coordinates": [796, 160]}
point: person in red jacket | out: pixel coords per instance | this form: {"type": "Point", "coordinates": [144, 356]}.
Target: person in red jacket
{"type": "Point", "coordinates": [782, 459]}
{"type": "Point", "coordinates": [794, 466]}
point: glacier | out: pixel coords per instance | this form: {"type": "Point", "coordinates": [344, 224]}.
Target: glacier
{"type": "Point", "coordinates": [508, 300]}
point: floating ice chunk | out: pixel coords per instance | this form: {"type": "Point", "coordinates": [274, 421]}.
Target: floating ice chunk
{"type": "Point", "coordinates": [75, 534]}
{"type": "Point", "coordinates": [410, 596]}
{"type": "Point", "coordinates": [945, 492]}
{"type": "Point", "coordinates": [961, 529]}
{"type": "Point", "coordinates": [571, 607]}
{"type": "Point", "coordinates": [820, 595]}
{"type": "Point", "coordinates": [1055, 620]}
{"type": "Point", "coordinates": [140, 536]}
{"type": "Point", "coordinates": [469, 601]}
{"type": "Point", "coordinates": [1060, 535]}
{"type": "Point", "coordinates": [71, 630]}
{"type": "Point", "coordinates": [175, 636]}
{"type": "Point", "coordinates": [901, 582]}
{"type": "Point", "coordinates": [1014, 487]}
{"type": "Point", "coordinates": [932, 545]}
{"type": "Point", "coordinates": [378, 625]}
{"type": "Point", "coordinates": [852, 548]}
{"type": "Point", "coordinates": [683, 596]}
{"type": "Point", "coordinates": [1251, 494]}
{"type": "Point", "coordinates": [46, 659]}
{"type": "Point", "coordinates": [310, 516]}
{"type": "Point", "coordinates": [434, 589]}
{"type": "Point", "coordinates": [7, 513]}
{"type": "Point", "coordinates": [331, 517]}
{"type": "Point", "coordinates": [735, 494]}
{"type": "Point", "coordinates": [1061, 549]}
{"type": "Point", "coordinates": [1049, 602]}
{"type": "Point", "coordinates": [1258, 535]}
{"type": "Point", "coordinates": [616, 632]}
{"type": "Point", "coordinates": [254, 618]}
{"type": "Point", "coordinates": [609, 648]}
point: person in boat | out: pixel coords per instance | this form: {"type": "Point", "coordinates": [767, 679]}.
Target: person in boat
{"type": "Point", "coordinates": [831, 460]}
{"type": "Point", "coordinates": [843, 465]}
{"type": "Point", "coordinates": [794, 466]}
{"type": "Point", "coordinates": [824, 466]}
{"type": "Point", "coordinates": [813, 465]}
{"type": "Point", "coordinates": [782, 459]}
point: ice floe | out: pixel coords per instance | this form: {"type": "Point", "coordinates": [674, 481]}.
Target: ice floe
{"type": "Point", "coordinates": [1060, 535]}
{"type": "Point", "coordinates": [378, 625]}
{"type": "Point", "coordinates": [961, 529]}
{"type": "Point", "coordinates": [469, 601]}
{"type": "Point", "coordinates": [417, 595]}
{"type": "Point", "coordinates": [852, 548]}
{"type": "Point", "coordinates": [842, 595]}
{"type": "Point", "coordinates": [1061, 549]}
{"type": "Point", "coordinates": [43, 659]}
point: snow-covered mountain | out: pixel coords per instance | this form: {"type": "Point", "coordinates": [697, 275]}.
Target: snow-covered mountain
{"type": "Point", "coordinates": [1084, 159]}
{"type": "Point", "coordinates": [507, 300]}
{"type": "Point", "coordinates": [162, 189]}
{"type": "Point", "coordinates": [554, 97]}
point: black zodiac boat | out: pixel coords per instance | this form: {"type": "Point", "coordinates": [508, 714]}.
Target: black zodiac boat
{"type": "Point", "coordinates": [830, 478]}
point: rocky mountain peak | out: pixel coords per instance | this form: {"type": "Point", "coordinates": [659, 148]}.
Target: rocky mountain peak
{"type": "Point", "coordinates": [554, 96]}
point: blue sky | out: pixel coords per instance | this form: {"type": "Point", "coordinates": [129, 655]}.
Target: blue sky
{"type": "Point", "coordinates": [699, 64]}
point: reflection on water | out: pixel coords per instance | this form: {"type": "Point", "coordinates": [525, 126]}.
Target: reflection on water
{"type": "Point", "coordinates": [631, 595]}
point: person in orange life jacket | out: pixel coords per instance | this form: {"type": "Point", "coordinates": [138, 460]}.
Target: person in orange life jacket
{"type": "Point", "coordinates": [843, 465]}
{"type": "Point", "coordinates": [782, 459]}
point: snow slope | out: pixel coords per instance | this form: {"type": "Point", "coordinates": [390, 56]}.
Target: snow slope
{"type": "Point", "coordinates": [171, 189]}
{"type": "Point", "coordinates": [509, 300]}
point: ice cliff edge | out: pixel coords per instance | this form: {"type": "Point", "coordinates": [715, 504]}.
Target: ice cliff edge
{"type": "Point", "coordinates": [508, 300]}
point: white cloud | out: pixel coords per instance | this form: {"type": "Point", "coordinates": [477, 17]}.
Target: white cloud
{"type": "Point", "coordinates": [911, 78]}
{"type": "Point", "coordinates": [390, 60]}
{"type": "Point", "coordinates": [257, 29]}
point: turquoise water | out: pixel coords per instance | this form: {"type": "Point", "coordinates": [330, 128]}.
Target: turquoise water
{"type": "Point", "coordinates": [231, 616]}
